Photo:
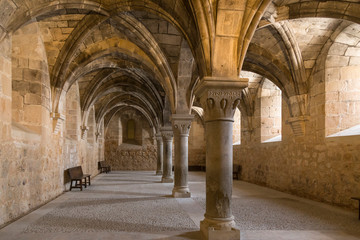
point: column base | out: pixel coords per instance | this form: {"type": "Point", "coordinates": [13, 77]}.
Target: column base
{"type": "Point", "coordinates": [222, 229]}
{"type": "Point", "coordinates": [159, 173]}
{"type": "Point", "coordinates": [167, 180]}
{"type": "Point", "coordinates": [181, 192]}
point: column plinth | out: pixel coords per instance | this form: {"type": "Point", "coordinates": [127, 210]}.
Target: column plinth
{"type": "Point", "coordinates": [181, 127]}
{"type": "Point", "coordinates": [160, 154]}
{"type": "Point", "coordinates": [219, 98]}
{"type": "Point", "coordinates": [167, 135]}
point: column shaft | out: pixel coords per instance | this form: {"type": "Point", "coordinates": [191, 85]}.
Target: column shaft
{"type": "Point", "coordinates": [219, 98]}
{"type": "Point", "coordinates": [160, 154]}
{"type": "Point", "coordinates": [219, 154]}
{"type": "Point", "coordinates": [181, 126]}
{"type": "Point", "coordinates": [167, 135]}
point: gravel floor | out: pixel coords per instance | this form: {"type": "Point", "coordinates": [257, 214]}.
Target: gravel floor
{"type": "Point", "coordinates": [116, 202]}
{"type": "Point", "coordinates": [130, 214]}
{"type": "Point", "coordinates": [254, 213]}
{"type": "Point", "coordinates": [136, 205]}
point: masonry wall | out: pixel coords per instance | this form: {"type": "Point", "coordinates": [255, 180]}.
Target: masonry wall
{"type": "Point", "coordinates": [314, 166]}
{"type": "Point", "coordinates": [129, 154]}
{"type": "Point", "coordinates": [33, 158]}
{"type": "Point", "coordinates": [323, 169]}
{"type": "Point", "coordinates": [197, 143]}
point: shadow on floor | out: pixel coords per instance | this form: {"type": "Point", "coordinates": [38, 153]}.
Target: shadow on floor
{"type": "Point", "coordinates": [186, 235]}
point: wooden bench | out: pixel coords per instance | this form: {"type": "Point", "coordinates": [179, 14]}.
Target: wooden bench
{"type": "Point", "coordinates": [104, 167]}
{"type": "Point", "coordinates": [236, 171]}
{"type": "Point", "coordinates": [76, 175]}
{"type": "Point", "coordinates": [358, 199]}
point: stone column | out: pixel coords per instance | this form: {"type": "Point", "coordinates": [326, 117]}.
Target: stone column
{"type": "Point", "coordinates": [160, 154]}
{"type": "Point", "coordinates": [181, 126]}
{"type": "Point", "coordinates": [167, 135]}
{"type": "Point", "coordinates": [219, 98]}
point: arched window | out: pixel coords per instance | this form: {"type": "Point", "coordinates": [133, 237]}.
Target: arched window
{"type": "Point", "coordinates": [237, 127]}
{"type": "Point", "coordinates": [342, 84]}
{"type": "Point", "coordinates": [131, 129]}
{"type": "Point", "coordinates": [270, 112]}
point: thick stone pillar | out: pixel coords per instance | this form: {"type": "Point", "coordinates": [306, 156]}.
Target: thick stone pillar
{"type": "Point", "coordinates": [160, 154]}
{"type": "Point", "coordinates": [181, 127]}
{"type": "Point", "coordinates": [167, 135]}
{"type": "Point", "coordinates": [219, 97]}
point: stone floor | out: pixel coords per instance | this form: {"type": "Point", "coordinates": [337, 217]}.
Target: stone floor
{"type": "Point", "coordinates": [135, 205]}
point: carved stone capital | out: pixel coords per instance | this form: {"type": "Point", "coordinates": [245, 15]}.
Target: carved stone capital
{"type": "Point", "coordinates": [182, 123]}
{"type": "Point", "coordinates": [167, 133]}
{"type": "Point", "coordinates": [57, 118]}
{"type": "Point", "coordinates": [219, 97]}
{"type": "Point", "coordinates": [84, 130]}
{"type": "Point", "coordinates": [158, 137]}
{"type": "Point", "coordinates": [298, 125]}
{"type": "Point", "coordinates": [97, 135]}
{"type": "Point", "coordinates": [299, 105]}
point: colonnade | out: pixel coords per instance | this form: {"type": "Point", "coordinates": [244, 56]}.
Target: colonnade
{"type": "Point", "coordinates": [219, 99]}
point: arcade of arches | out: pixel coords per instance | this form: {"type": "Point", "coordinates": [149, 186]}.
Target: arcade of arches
{"type": "Point", "coordinates": [271, 85]}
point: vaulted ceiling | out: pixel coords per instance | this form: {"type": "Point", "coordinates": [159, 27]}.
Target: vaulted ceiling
{"type": "Point", "coordinates": [149, 54]}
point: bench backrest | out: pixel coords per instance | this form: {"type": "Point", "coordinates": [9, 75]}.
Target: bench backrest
{"type": "Point", "coordinates": [236, 168]}
{"type": "Point", "coordinates": [75, 172]}
{"type": "Point", "coordinates": [103, 164]}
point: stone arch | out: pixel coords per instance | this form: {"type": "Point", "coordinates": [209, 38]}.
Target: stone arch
{"type": "Point", "coordinates": [184, 22]}
{"type": "Point", "coordinates": [22, 14]}
{"type": "Point", "coordinates": [132, 130]}
{"type": "Point", "coordinates": [102, 81]}
{"type": "Point", "coordinates": [131, 98]}
{"type": "Point", "coordinates": [111, 59]}
{"type": "Point", "coordinates": [30, 79]}
{"type": "Point", "coordinates": [131, 153]}
{"type": "Point", "coordinates": [72, 113]}
{"type": "Point", "coordinates": [186, 63]}
{"type": "Point", "coordinates": [199, 112]}
{"type": "Point", "coordinates": [329, 9]}
{"type": "Point", "coordinates": [237, 127]}
{"type": "Point", "coordinates": [110, 112]}
{"type": "Point", "coordinates": [342, 84]}
{"type": "Point", "coordinates": [270, 111]}
{"type": "Point", "coordinates": [197, 143]}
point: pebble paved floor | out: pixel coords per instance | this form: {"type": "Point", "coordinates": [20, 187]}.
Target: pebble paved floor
{"type": "Point", "coordinates": [135, 205]}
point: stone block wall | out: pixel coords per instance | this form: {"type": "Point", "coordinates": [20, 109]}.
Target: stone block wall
{"type": "Point", "coordinates": [342, 82]}
{"type": "Point", "coordinates": [269, 110]}
{"type": "Point", "coordinates": [125, 154]}
{"type": "Point", "coordinates": [327, 171]}
{"type": "Point", "coordinates": [197, 143]}
{"type": "Point", "coordinates": [6, 145]}
{"type": "Point", "coordinates": [33, 158]}
{"type": "Point", "coordinates": [312, 165]}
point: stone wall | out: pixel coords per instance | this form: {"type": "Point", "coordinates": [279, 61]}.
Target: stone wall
{"type": "Point", "coordinates": [314, 166]}
{"type": "Point", "coordinates": [6, 145]}
{"type": "Point", "coordinates": [33, 158]}
{"type": "Point", "coordinates": [129, 154]}
{"type": "Point", "coordinates": [197, 142]}
{"type": "Point", "coordinates": [269, 110]}
{"type": "Point", "coordinates": [326, 171]}
{"type": "Point", "coordinates": [342, 82]}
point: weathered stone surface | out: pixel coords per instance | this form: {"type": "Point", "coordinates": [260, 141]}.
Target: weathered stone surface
{"type": "Point", "coordinates": [123, 153]}
{"type": "Point", "coordinates": [73, 75]}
